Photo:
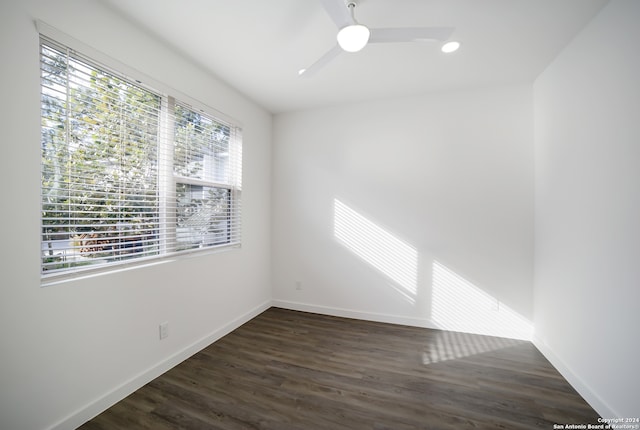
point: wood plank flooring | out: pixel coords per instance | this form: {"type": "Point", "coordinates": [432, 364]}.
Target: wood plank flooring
{"type": "Point", "coordinates": [294, 370]}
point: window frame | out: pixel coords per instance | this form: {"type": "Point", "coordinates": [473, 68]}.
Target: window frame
{"type": "Point", "coordinates": [167, 179]}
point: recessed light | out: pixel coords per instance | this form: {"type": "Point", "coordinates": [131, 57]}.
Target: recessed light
{"type": "Point", "coordinates": [450, 47]}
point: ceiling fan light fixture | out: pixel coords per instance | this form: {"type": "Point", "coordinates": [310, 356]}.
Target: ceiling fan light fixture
{"type": "Point", "coordinates": [450, 47]}
{"type": "Point", "coordinates": [353, 38]}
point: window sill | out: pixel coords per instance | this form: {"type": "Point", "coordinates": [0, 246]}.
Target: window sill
{"type": "Point", "coordinates": [48, 280]}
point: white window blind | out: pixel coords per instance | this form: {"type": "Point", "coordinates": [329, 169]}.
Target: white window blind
{"type": "Point", "coordinates": [129, 173]}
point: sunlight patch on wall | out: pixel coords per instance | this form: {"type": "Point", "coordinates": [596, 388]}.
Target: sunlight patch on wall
{"type": "Point", "coordinates": [459, 305]}
{"type": "Point", "coordinates": [382, 250]}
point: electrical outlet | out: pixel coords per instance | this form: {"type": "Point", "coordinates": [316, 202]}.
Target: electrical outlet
{"type": "Point", "coordinates": [164, 330]}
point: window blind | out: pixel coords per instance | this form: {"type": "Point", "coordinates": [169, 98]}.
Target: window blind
{"type": "Point", "coordinates": [129, 173]}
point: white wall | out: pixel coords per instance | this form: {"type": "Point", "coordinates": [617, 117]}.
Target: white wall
{"type": "Point", "coordinates": [70, 349]}
{"type": "Point", "coordinates": [587, 253]}
{"type": "Point", "coordinates": [449, 175]}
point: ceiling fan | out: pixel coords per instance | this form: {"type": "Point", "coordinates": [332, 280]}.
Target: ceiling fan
{"type": "Point", "coordinates": [353, 36]}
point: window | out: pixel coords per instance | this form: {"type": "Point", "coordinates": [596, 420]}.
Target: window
{"type": "Point", "coordinates": [129, 173]}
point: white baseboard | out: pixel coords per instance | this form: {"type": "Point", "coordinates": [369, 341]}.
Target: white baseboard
{"type": "Point", "coordinates": [94, 408]}
{"type": "Point", "coordinates": [583, 389]}
{"type": "Point", "coordinates": [351, 313]}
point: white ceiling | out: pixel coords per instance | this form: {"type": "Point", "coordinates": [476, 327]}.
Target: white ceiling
{"type": "Point", "coordinates": [257, 46]}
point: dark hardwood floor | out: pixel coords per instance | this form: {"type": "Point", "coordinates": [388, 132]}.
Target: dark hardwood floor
{"type": "Point", "coordinates": [296, 370]}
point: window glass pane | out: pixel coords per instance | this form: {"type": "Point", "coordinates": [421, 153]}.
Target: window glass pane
{"type": "Point", "coordinates": [201, 147]}
{"type": "Point", "coordinates": [99, 165]}
{"type": "Point", "coordinates": [202, 216]}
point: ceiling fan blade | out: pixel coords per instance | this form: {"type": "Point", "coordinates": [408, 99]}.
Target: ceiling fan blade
{"type": "Point", "coordinates": [409, 34]}
{"type": "Point", "coordinates": [339, 12]}
{"type": "Point", "coordinates": [321, 62]}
